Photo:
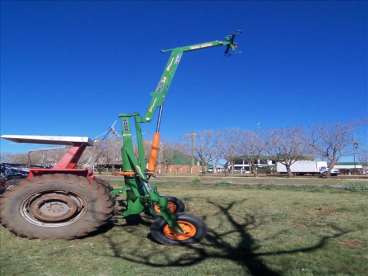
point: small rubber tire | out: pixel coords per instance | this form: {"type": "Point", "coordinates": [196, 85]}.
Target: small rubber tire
{"type": "Point", "coordinates": [97, 207]}
{"type": "Point", "coordinates": [179, 206]}
{"type": "Point", "coordinates": [159, 230]}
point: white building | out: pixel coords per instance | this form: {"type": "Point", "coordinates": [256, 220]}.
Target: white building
{"type": "Point", "coordinates": [243, 166]}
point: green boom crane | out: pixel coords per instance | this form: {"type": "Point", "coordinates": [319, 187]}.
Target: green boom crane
{"type": "Point", "coordinates": [172, 226]}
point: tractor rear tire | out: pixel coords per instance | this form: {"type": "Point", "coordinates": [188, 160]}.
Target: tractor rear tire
{"type": "Point", "coordinates": [56, 206]}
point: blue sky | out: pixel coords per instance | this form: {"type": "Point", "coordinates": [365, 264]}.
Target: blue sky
{"type": "Point", "coordinates": [68, 68]}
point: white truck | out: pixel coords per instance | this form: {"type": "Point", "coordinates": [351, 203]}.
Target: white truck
{"type": "Point", "coordinates": [303, 167]}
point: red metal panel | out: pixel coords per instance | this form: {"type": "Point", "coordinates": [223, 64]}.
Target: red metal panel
{"type": "Point", "coordinates": [70, 158]}
{"type": "Point", "coordinates": [82, 172]}
{"type": "Point", "coordinates": [67, 164]}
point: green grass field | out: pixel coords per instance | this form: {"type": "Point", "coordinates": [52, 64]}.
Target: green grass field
{"type": "Point", "coordinates": [309, 229]}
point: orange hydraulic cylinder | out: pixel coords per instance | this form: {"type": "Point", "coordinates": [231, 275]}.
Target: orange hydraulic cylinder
{"type": "Point", "coordinates": [155, 147]}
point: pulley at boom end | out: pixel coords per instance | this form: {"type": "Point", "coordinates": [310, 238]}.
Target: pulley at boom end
{"type": "Point", "coordinates": [232, 45]}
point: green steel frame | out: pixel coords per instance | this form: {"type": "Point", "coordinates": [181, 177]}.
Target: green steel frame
{"type": "Point", "coordinates": [141, 195]}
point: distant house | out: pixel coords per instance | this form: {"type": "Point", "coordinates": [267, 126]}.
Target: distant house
{"type": "Point", "coordinates": [172, 169]}
{"type": "Point", "coordinates": [216, 169]}
{"type": "Point", "coordinates": [349, 168]}
{"type": "Point", "coordinates": [243, 165]}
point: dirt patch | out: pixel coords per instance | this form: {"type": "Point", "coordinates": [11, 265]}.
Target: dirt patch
{"type": "Point", "coordinates": [325, 211]}
{"type": "Point", "coordinates": [321, 211]}
{"type": "Point", "coordinates": [351, 243]}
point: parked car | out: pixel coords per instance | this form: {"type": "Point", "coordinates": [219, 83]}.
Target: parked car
{"type": "Point", "coordinates": [324, 171]}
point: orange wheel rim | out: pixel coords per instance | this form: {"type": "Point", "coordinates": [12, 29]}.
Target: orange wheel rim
{"type": "Point", "coordinates": [189, 231]}
{"type": "Point", "coordinates": [170, 205]}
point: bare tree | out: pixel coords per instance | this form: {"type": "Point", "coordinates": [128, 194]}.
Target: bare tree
{"type": "Point", "coordinates": [231, 145]}
{"type": "Point", "coordinates": [203, 148]}
{"type": "Point", "coordinates": [43, 157]}
{"type": "Point", "coordinates": [52, 156]}
{"type": "Point", "coordinates": [20, 158]}
{"type": "Point", "coordinates": [252, 147]}
{"type": "Point", "coordinates": [103, 152]}
{"type": "Point", "coordinates": [287, 145]}
{"type": "Point", "coordinates": [174, 153]}
{"type": "Point", "coordinates": [330, 141]}
{"type": "Point", "coordinates": [217, 149]}
{"type": "Point", "coordinates": [363, 156]}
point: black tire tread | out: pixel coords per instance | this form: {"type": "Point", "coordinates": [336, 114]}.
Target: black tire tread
{"type": "Point", "coordinates": [158, 236]}
{"type": "Point", "coordinates": [93, 190]}
{"type": "Point", "coordinates": [180, 206]}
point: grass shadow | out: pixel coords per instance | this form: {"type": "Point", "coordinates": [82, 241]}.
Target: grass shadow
{"type": "Point", "coordinates": [217, 245]}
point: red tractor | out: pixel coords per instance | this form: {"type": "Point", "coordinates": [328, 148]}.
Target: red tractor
{"type": "Point", "coordinates": [60, 202]}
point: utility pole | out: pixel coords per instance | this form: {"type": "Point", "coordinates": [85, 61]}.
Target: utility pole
{"type": "Point", "coordinates": [355, 147]}
{"type": "Point", "coordinates": [193, 134]}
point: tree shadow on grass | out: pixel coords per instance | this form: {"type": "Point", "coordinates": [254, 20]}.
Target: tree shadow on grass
{"type": "Point", "coordinates": [217, 245]}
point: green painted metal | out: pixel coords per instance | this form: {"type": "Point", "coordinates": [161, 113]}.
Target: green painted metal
{"type": "Point", "coordinates": [141, 158]}
{"type": "Point", "coordinates": [158, 96]}
{"type": "Point", "coordinates": [127, 148]}
{"type": "Point", "coordinates": [118, 191]}
{"type": "Point", "coordinates": [141, 195]}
